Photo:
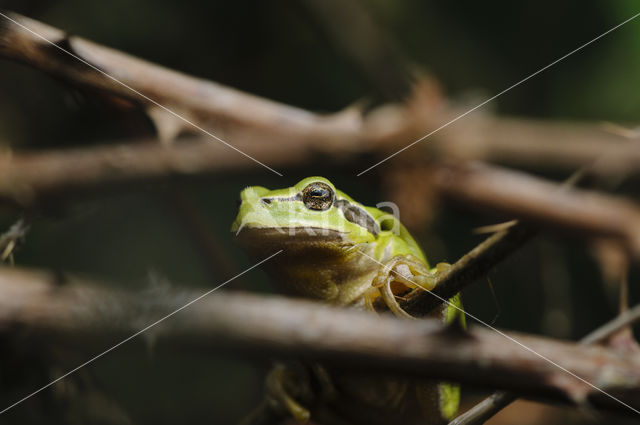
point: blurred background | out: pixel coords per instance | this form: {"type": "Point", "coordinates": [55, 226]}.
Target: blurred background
{"type": "Point", "coordinates": [285, 51]}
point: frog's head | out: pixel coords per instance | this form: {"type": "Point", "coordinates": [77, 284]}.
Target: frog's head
{"type": "Point", "coordinates": [313, 210]}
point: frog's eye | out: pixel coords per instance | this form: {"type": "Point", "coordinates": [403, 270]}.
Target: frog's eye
{"type": "Point", "coordinates": [318, 196]}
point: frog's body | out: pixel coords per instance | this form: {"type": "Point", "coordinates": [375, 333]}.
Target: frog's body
{"type": "Point", "coordinates": [344, 253]}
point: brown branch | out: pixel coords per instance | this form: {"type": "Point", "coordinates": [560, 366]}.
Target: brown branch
{"type": "Point", "coordinates": [623, 320]}
{"type": "Point", "coordinates": [543, 145]}
{"type": "Point", "coordinates": [28, 178]}
{"type": "Point", "coordinates": [518, 195]}
{"type": "Point", "coordinates": [487, 408]}
{"type": "Point", "coordinates": [203, 102]}
{"type": "Point", "coordinates": [539, 202]}
{"type": "Point", "coordinates": [471, 267]}
{"type": "Point", "coordinates": [72, 311]}
{"type": "Point", "coordinates": [246, 120]}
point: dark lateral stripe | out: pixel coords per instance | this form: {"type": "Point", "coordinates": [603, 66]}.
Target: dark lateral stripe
{"type": "Point", "coordinates": [357, 215]}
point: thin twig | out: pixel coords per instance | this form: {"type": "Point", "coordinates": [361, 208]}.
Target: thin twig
{"type": "Point", "coordinates": [12, 238]}
{"type": "Point", "coordinates": [624, 319]}
{"type": "Point", "coordinates": [469, 268]}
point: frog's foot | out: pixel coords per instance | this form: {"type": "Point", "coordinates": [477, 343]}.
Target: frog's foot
{"type": "Point", "coordinates": [399, 275]}
{"type": "Point", "coordinates": [279, 395]}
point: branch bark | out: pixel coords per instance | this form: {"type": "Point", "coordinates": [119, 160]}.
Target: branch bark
{"type": "Point", "coordinates": [28, 178]}
{"type": "Point", "coordinates": [199, 101]}
{"type": "Point", "coordinates": [535, 202]}
{"type": "Point", "coordinates": [471, 267]}
{"type": "Point", "coordinates": [72, 311]}
{"type": "Point", "coordinates": [487, 408]}
{"type": "Point", "coordinates": [245, 120]}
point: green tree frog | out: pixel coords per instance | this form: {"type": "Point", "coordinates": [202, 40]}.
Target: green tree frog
{"type": "Point", "coordinates": [339, 251]}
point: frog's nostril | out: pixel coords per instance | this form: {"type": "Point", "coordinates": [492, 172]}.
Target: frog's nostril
{"type": "Point", "coordinates": [266, 201]}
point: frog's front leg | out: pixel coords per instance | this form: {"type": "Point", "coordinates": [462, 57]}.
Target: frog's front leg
{"type": "Point", "coordinates": [282, 388]}
{"type": "Point", "coordinates": [403, 273]}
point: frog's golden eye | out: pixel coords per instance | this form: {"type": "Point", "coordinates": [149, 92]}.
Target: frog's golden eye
{"type": "Point", "coordinates": [318, 196]}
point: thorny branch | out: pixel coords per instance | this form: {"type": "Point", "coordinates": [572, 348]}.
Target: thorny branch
{"type": "Point", "coordinates": [64, 309]}
{"type": "Point", "coordinates": [250, 122]}
{"type": "Point", "coordinates": [470, 268]}
{"type": "Point", "coordinates": [26, 179]}
{"type": "Point", "coordinates": [29, 178]}
{"type": "Point", "coordinates": [488, 407]}
{"type": "Point", "coordinates": [534, 202]}
{"type": "Point", "coordinates": [202, 102]}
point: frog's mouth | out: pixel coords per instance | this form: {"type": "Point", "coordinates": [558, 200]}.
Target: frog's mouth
{"type": "Point", "coordinates": [289, 235]}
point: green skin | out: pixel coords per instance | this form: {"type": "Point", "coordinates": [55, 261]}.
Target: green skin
{"type": "Point", "coordinates": [350, 255]}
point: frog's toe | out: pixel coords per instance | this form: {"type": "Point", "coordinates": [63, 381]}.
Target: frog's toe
{"type": "Point", "coordinates": [443, 267]}
{"type": "Point", "coordinates": [426, 282]}
{"type": "Point", "coordinates": [300, 414]}
{"type": "Point", "coordinates": [389, 299]}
